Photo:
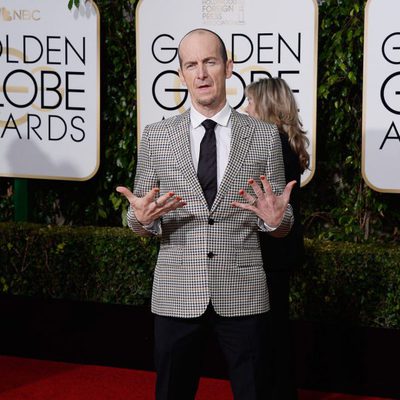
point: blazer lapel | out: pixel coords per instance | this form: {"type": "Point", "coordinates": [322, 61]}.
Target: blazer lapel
{"type": "Point", "coordinates": [242, 132]}
{"type": "Point", "coordinates": [180, 144]}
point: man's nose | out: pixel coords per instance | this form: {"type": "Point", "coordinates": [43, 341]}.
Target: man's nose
{"type": "Point", "coordinates": [202, 71]}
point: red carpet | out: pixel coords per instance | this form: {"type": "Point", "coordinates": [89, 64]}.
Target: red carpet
{"type": "Point", "coordinates": [27, 379]}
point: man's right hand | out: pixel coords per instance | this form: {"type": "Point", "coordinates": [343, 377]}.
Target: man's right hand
{"type": "Point", "coordinates": [149, 208]}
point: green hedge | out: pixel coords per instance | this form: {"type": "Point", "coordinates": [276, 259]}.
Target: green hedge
{"type": "Point", "coordinates": [353, 283]}
{"type": "Point", "coordinates": [108, 265]}
{"type": "Point", "coordinates": [358, 284]}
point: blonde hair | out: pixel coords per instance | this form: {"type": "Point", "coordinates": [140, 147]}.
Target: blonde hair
{"type": "Point", "coordinates": [274, 103]}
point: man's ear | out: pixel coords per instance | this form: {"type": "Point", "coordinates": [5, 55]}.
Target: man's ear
{"type": "Point", "coordinates": [229, 68]}
{"type": "Point", "coordinates": [181, 77]}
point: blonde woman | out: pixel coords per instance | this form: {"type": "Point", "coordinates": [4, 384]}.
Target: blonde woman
{"type": "Point", "coordinates": [271, 100]}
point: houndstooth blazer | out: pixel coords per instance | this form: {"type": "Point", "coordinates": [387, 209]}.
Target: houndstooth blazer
{"type": "Point", "coordinates": [209, 254]}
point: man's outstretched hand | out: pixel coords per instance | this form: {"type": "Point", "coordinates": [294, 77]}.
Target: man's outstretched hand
{"type": "Point", "coordinates": [268, 207]}
{"type": "Point", "coordinates": [151, 207]}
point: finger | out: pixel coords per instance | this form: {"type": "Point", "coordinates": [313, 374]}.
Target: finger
{"type": "Point", "coordinates": [288, 189]}
{"type": "Point", "coordinates": [151, 195]}
{"type": "Point", "coordinates": [174, 203]}
{"type": "Point", "coordinates": [170, 203]}
{"type": "Point", "coordinates": [256, 188]}
{"type": "Point", "coordinates": [248, 197]}
{"type": "Point", "coordinates": [164, 199]}
{"type": "Point", "coordinates": [266, 185]}
{"type": "Point", "coordinates": [243, 206]}
{"type": "Point", "coordinates": [125, 192]}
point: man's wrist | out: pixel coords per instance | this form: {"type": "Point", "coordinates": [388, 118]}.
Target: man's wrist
{"type": "Point", "coordinates": [270, 228]}
{"type": "Point", "coordinates": [265, 227]}
{"type": "Point", "coordinates": [132, 213]}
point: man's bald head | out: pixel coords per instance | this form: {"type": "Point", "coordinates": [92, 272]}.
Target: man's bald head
{"type": "Point", "coordinates": [202, 31]}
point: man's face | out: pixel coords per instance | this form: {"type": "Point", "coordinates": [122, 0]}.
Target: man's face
{"type": "Point", "coordinates": [204, 72]}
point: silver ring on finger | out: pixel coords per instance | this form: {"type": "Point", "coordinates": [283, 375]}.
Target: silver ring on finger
{"type": "Point", "coordinates": [254, 202]}
{"type": "Point", "coordinates": [157, 203]}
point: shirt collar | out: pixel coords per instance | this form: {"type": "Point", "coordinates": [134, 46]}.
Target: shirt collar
{"type": "Point", "coordinates": [221, 118]}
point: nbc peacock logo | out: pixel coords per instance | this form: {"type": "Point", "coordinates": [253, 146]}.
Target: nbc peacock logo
{"type": "Point", "coordinates": [5, 14]}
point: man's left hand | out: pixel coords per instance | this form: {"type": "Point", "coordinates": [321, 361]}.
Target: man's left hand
{"type": "Point", "coordinates": [265, 204]}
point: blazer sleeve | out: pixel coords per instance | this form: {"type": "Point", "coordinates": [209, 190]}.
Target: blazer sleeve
{"type": "Point", "coordinates": [275, 174]}
{"type": "Point", "coordinates": [287, 252]}
{"type": "Point", "coordinates": [145, 180]}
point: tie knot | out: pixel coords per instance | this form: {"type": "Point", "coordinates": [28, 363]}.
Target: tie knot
{"type": "Point", "coordinates": [209, 124]}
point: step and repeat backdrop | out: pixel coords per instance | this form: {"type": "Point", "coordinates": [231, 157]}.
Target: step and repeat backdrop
{"type": "Point", "coordinates": [264, 38]}
{"type": "Point", "coordinates": [49, 89]}
{"type": "Point", "coordinates": [381, 96]}
{"type": "Point", "coordinates": [50, 76]}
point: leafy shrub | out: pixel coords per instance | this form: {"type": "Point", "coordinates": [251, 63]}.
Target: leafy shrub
{"type": "Point", "coordinates": [354, 283]}
{"type": "Point", "coordinates": [109, 265]}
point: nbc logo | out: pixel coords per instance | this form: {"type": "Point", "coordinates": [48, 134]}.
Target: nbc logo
{"type": "Point", "coordinates": [19, 15]}
{"type": "Point", "coordinates": [5, 14]}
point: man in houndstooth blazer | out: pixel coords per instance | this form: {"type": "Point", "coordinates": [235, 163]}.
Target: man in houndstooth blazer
{"type": "Point", "coordinates": [209, 270]}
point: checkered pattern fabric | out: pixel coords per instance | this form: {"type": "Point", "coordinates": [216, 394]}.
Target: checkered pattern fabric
{"type": "Point", "coordinates": [199, 261]}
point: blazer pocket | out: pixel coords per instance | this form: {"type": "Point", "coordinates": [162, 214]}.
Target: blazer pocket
{"type": "Point", "coordinates": [248, 257]}
{"type": "Point", "coordinates": [170, 255]}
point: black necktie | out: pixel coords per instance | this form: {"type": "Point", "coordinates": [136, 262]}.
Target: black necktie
{"type": "Point", "coordinates": [207, 168]}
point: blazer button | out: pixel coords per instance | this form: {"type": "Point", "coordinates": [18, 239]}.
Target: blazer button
{"type": "Point", "coordinates": [210, 254]}
{"type": "Point", "coordinates": [210, 221]}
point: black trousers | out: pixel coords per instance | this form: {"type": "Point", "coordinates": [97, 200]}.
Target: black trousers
{"type": "Point", "coordinates": [180, 342]}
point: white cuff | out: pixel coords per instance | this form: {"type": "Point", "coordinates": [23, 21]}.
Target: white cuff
{"type": "Point", "coordinates": [265, 227]}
